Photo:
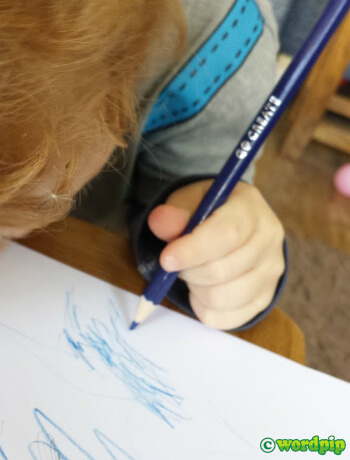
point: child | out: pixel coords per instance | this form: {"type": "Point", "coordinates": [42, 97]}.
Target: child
{"type": "Point", "coordinates": [81, 77]}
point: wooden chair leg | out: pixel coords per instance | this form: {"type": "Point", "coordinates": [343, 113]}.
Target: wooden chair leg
{"type": "Point", "coordinates": [314, 96]}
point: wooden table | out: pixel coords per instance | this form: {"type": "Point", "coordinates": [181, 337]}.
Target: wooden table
{"type": "Point", "coordinates": [107, 256]}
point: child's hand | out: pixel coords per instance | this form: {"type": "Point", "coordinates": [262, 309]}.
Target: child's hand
{"type": "Point", "coordinates": [232, 262]}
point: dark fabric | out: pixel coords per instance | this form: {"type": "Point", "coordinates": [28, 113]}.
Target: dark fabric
{"type": "Point", "coordinates": [147, 249]}
{"type": "Point", "coordinates": [296, 18]}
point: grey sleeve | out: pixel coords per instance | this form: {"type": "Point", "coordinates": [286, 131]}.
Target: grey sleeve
{"type": "Point", "coordinates": [202, 144]}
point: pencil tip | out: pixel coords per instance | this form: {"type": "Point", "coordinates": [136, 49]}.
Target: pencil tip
{"type": "Point", "coordinates": [133, 326]}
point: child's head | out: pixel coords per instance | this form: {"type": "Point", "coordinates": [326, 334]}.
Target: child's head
{"type": "Point", "coordinates": [69, 77]}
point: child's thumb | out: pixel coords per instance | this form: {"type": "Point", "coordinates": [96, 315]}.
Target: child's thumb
{"type": "Point", "coordinates": [167, 222]}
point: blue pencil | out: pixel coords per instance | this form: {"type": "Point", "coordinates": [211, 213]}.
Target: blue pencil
{"type": "Point", "coordinates": [251, 142]}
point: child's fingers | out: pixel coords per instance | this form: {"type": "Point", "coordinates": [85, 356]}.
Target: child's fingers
{"type": "Point", "coordinates": [250, 255]}
{"type": "Point", "coordinates": [223, 232]}
{"type": "Point", "coordinates": [227, 319]}
{"type": "Point", "coordinates": [245, 290]}
{"type": "Point", "coordinates": [190, 195]}
{"type": "Point", "coordinates": [167, 222]}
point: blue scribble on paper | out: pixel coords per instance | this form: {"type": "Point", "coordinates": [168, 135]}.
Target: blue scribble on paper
{"type": "Point", "coordinates": [2, 454]}
{"type": "Point", "coordinates": [104, 342]}
{"type": "Point", "coordinates": [49, 429]}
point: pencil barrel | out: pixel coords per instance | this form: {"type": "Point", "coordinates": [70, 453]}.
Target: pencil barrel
{"type": "Point", "coordinates": [258, 131]}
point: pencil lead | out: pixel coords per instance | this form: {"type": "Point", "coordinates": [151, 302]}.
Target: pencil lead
{"type": "Point", "coordinates": [133, 326]}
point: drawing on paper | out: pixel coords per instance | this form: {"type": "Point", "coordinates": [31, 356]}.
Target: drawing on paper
{"type": "Point", "coordinates": [50, 430]}
{"type": "Point", "coordinates": [95, 342]}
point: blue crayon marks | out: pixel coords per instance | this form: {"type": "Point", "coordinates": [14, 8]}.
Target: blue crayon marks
{"type": "Point", "coordinates": [52, 431]}
{"type": "Point", "coordinates": [210, 68]}
{"type": "Point", "coordinates": [98, 342]}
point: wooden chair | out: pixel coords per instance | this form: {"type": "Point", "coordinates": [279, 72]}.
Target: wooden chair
{"type": "Point", "coordinates": [307, 118]}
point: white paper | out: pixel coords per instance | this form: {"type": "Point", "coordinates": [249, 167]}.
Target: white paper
{"type": "Point", "coordinates": [76, 384]}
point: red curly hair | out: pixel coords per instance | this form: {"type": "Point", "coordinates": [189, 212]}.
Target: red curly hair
{"type": "Point", "coordinates": [70, 71]}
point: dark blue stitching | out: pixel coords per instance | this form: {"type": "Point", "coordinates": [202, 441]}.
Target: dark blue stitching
{"type": "Point", "coordinates": [204, 60]}
{"type": "Point", "coordinates": [213, 50]}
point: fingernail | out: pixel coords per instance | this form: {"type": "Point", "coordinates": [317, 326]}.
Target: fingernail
{"type": "Point", "coordinates": [169, 264]}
